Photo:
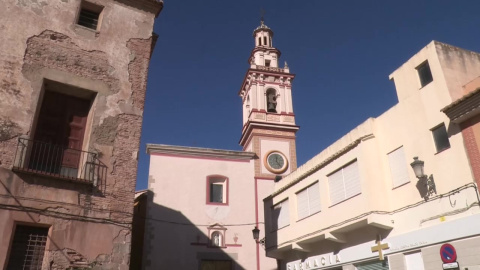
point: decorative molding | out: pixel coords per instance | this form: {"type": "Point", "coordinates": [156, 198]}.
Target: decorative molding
{"type": "Point", "coordinates": [172, 150]}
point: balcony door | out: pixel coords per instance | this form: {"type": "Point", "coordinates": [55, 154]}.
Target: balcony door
{"type": "Point", "coordinates": [59, 134]}
{"type": "Point", "coordinates": [216, 265]}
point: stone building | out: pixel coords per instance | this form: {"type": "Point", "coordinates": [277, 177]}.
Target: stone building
{"type": "Point", "coordinates": [400, 190]}
{"type": "Point", "coordinates": [72, 88]}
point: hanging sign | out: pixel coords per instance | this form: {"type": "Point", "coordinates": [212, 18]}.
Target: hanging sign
{"type": "Point", "coordinates": [448, 254]}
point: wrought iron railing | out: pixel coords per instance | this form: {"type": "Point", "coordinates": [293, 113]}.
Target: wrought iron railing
{"type": "Point", "coordinates": [274, 69]}
{"type": "Point", "coordinates": [59, 161]}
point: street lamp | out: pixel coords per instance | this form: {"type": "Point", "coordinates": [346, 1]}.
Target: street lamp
{"type": "Point", "coordinates": [426, 184]}
{"type": "Point", "coordinates": [256, 233]}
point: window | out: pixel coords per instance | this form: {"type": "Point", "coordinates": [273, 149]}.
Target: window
{"type": "Point", "coordinates": [308, 201]}
{"type": "Point", "coordinates": [28, 248]}
{"type": "Point", "coordinates": [398, 167]}
{"type": "Point", "coordinates": [259, 41]}
{"type": "Point", "coordinates": [90, 15]}
{"type": "Point", "coordinates": [217, 190]}
{"type": "Point", "coordinates": [344, 183]}
{"type": "Point", "coordinates": [440, 137]}
{"type": "Point", "coordinates": [271, 100]}
{"type": "Point", "coordinates": [424, 73]}
{"type": "Point", "coordinates": [267, 63]}
{"type": "Point", "coordinates": [265, 41]}
{"type": "Point", "coordinates": [280, 215]}
{"type": "Point", "coordinates": [57, 141]}
{"type": "Point", "coordinates": [414, 261]}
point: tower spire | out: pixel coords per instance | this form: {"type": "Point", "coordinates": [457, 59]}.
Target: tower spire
{"type": "Point", "coordinates": [262, 14]}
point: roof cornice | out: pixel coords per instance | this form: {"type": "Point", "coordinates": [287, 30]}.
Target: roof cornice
{"type": "Point", "coordinates": [152, 6]}
{"type": "Point", "coordinates": [163, 149]}
{"type": "Point", "coordinates": [464, 107]}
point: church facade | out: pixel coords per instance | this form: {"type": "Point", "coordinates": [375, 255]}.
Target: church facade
{"type": "Point", "coordinates": [400, 190]}
{"type": "Point", "coordinates": [203, 203]}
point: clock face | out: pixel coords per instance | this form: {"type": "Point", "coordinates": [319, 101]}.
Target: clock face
{"type": "Point", "coordinates": [276, 162]}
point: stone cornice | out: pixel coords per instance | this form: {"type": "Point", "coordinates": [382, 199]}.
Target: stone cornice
{"type": "Point", "coordinates": [163, 149]}
{"type": "Point", "coordinates": [152, 6]}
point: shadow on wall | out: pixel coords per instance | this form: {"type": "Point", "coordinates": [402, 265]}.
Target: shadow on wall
{"type": "Point", "coordinates": [168, 239]}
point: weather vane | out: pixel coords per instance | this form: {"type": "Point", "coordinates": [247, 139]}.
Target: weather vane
{"type": "Point", "coordinates": [262, 14]}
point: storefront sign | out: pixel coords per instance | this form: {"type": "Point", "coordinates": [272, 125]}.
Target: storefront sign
{"type": "Point", "coordinates": [450, 265]}
{"type": "Point", "coordinates": [318, 262]}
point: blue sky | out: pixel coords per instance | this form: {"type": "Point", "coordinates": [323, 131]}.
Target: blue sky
{"type": "Point", "coordinates": [341, 52]}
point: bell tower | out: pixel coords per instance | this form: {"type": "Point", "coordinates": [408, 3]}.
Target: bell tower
{"type": "Point", "coordinates": [268, 120]}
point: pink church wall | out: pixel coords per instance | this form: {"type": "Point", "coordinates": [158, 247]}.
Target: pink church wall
{"type": "Point", "coordinates": [180, 203]}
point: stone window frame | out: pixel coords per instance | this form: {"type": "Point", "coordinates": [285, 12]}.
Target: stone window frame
{"type": "Point", "coordinates": [93, 7]}
{"type": "Point", "coordinates": [218, 180]}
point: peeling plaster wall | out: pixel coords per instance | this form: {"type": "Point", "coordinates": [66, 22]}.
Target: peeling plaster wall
{"type": "Point", "coordinates": [40, 40]}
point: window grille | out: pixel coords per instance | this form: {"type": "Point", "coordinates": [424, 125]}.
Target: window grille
{"type": "Point", "coordinates": [28, 248]}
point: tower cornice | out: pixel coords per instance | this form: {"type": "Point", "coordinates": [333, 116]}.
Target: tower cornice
{"type": "Point", "coordinates": [275, 130]}
{"type": "Point", "coordinates": [263, 49]}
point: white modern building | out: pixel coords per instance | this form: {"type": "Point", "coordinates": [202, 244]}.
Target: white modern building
{"type": "Point", "coordinates": [359, 204]}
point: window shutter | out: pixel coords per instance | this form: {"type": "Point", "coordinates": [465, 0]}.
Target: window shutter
{"type": "Point", "coordinates": [284, 218]}
{"type": "Point", "coordinates": [375, 265]}
{"type": "Point", "coordinates": [398, 167]}
{"type": "Point", "coordinates": [335, 184]}
{"type": "Point", "coordinates": [280, 215]}
{"type": "Point", "coordinates": [314, 198]}
{"type": "Point", "coordinates": [344, 183]}
{"type": "Point", "coordinates": [302, 204]}
{"type": "Point", "coordinates": [275, 216]}
{"type": "Point", "coordinates": [351, 177]}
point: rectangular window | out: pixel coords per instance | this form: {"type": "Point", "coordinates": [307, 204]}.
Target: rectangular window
{"type": "Point", "coordinates": [308, 201]}
{"type": "Point", "coordinates": [440, 136]}
{"type": "Point", "coordinates": [398, 167]}
{"type": "Point", "coordinates": [90, 15]}
{"type": "Point", "coordinates": [267, 63]}
{"type": "Point", "coordinates": [414, 261]}
{"type": "Point", "coordinates": [424, 73]}
{"type": "Point", "coordinates": [217, 190]}
{"type": "Point", "coordinates": [57, 142]}
{"type": "Point", "coordinates": [28, 248]}
{"type": "Point", "coordinates": [344, 183]}
{"type": "Point", "coordinates": [59, 135]}
{"type": "Point", "coordinates": [280, 215]}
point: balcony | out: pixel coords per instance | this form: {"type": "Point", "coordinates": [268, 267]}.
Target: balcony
{"type": "Point", "coordinates": [58, 161]}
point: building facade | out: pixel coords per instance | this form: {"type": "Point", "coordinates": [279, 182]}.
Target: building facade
{"type": "Point", "coordinates": [205, 202]}
{"type": "Point", "coordinates": [73, 82]}
{"type": "Point", "coordinates": [359, 204]}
